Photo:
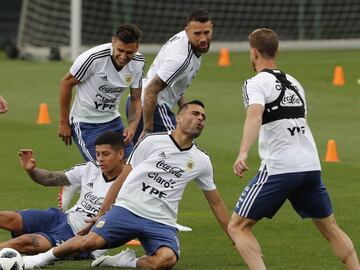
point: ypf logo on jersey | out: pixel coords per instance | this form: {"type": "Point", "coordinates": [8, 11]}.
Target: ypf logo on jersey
{"type": "Point", "coordinates": [128, 79]}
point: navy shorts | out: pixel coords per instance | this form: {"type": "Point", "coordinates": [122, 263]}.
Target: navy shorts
{"type": "Point", "coordinates": [264, 195]}
{"type": "Point", "coordinates": [85, 134]}
{"type": "Point", "coordinates": [119, 226]}
{"type": "Point", "coordinates": [164, 120]}
{"type": "Point", "coordinates": [51, 223]}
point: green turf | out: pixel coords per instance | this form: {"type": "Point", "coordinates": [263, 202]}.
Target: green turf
{"type": "Point", "coordinates": [287, 241]}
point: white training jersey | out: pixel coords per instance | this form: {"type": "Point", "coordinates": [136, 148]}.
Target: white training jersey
{"type": "Point", "coordinates": [176, 64]}
{"type": "Point", "coordinates": [92, 193]}
{"type": "Point", "coordinates": [160, 173]}
{"type": "Point", "coordinates": [102, 84]}
{"type": "Point", "coordinates": [285, 145]}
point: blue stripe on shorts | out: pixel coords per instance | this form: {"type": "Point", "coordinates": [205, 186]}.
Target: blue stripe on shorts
{"type": "Point", "coordinates": [264, 195]}
{"type": "Point", "coordinates": [85, 134]}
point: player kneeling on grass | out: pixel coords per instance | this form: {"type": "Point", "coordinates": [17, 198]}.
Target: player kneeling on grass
{"type": "Point", "coordinates": [146, 206]}
{"type": "Point", "coordinates": [36, 231]}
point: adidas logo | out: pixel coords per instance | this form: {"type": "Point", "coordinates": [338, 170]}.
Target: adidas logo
{"type": "Point", "coordinates": [162, 154]}
{"type": "Point", "coordinates": [104, 78]}
{"type": "Point", "coordinates": [90, 185]}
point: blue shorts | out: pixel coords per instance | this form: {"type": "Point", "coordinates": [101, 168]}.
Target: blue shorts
{"type": "Point", "coordinates": [51, 223]}
{"type": "Point", "coordinates": [119, 226]}
{"type": "Point", "coordinates": [264, 195]}
{"type": "Point", "coordinates": [85, 134]}
{"type": "Point", "coordinates": [164, 120]}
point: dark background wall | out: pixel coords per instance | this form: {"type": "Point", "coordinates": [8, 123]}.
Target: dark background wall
{"type": "Point", "coordinates": [9, 20]}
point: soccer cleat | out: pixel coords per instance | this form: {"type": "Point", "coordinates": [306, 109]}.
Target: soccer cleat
{"type": "Point", "coordinates": [182, 228]}
{"type": "Point", "coordinates": [123, 259]}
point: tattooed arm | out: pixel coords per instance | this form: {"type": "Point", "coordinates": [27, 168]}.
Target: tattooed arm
{"type": "Point", "coordinates": [41, 176]}
{"type": "Point", "coordinates": [150, 98]}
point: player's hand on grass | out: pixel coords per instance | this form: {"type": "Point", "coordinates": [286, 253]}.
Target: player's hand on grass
{"type": "Point", "coordinates": [27, 159]}
{"type": "Point", "coordinates": [65, 132]}
{"type": "Point", "coordinates": [240, 166]}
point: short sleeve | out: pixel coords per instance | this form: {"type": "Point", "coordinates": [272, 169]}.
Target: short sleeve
{"type": "Point", "coordinates": [205, 180]}
{"type": "Point", "coordinates": [170, 70]}
{"type": "Point", "coordinates": [253, 93]}
{"type": "Point", "coordinates": [140, 152]}
{"type": "Point", "coordinates": [83, 66]}
{"type": "Point", "coordinates": [137, 83]}
{"type": "Point", "coordinates": [74, 174]}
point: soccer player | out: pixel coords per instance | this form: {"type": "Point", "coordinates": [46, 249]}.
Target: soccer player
{"type": "Point", "coordinates": [3, 105]}
{"type": "Point", "coordinates": [171, 73]}
{"type": "Point", "coordinates": [156, 174]}
{"type": "Point", "coordinates": [101, 75]}
{"type": "Point", "coordinates": [36, 231]}
{"type": "Point", "coordinates": [290, 167]}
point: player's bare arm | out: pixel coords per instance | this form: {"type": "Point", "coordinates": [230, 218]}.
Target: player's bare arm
{"type": "Point", "coordinates": [66, 86]}
{"type": "Point", "coordinates": [41, 176]}
{"type": "Point", "coordinates": [219, 208]}
{"type": "Point", "coordinates": [135, 111]}
{"type": "Point", "coordinates": [250, 133]}
{"type": "Point", "coordinates": [150, 97]}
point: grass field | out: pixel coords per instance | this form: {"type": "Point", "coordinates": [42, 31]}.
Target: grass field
{"type": "Point", "coordinates": [287, 241]}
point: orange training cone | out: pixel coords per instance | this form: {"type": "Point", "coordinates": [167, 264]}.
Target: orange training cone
{"type": "Point", "coordinates": [133, 243]}
{"type": "Point", "coordinates": [331, 153]}
{"type": "Point", "coordinates": [339, 79]}
{"type": "Point", "coordinates": [43, 114]}
{"type": "Point", "coordinates": [224, 58]}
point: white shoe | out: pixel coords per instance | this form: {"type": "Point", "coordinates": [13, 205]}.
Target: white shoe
{"type": "Point", "coordinates": [123, 259]}
{"type": "Point", "coordinates": [97, 253]}
{"type": "Point", "coordinates": [182, 228]}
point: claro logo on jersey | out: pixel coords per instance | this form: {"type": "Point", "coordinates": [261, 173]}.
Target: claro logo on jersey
{"type": "Point", "coordinates": [160, 180]}
{"type": "Point", "coordinates": [108, 98]}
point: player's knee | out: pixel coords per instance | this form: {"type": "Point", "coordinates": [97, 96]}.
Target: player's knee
{"type": "Point", "coordinates": [164, 263]}
{"type": "Point", "coordinates": [11, 221]}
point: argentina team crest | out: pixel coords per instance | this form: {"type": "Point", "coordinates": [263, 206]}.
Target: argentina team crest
{"type": "Point", "coordinates": [100, 224]}
{"type": "Point", "coordinates": [190, 164]}
{"type": "Point", "coordinates": [128, 79]}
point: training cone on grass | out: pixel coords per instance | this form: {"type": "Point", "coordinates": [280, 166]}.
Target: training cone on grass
{"type": "Point", "coordinates": [339, 78]}
{"type": "Point", "coordinates": [224, 58]}
{"type": "Point", "coordinates": [331, 153]}
{"type": "Point", "coordinates": [43, 117]}
{"type": "Point", "coordinates": [134, 243]}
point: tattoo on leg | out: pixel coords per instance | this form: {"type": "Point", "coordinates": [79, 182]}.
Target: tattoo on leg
{"type": "Point", "coordinates": [34, 240]}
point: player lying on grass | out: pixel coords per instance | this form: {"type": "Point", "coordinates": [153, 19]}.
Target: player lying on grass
{"type": "Point", "coordinates": [36, 231]}
{"type": "Point", "coordinates": [146, 205]}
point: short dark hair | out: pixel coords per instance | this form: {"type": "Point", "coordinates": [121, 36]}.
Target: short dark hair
{"type": "Point", "coordinates": [115, 139]}
{"type": "Point", "coordinates": [186, 105]}
{"type": "Point", "coordinates": [198, 15]}
{"type": "Point", "coordinates": [266, 41]}
{"type": "Point", "coordinates": [128, 33]}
